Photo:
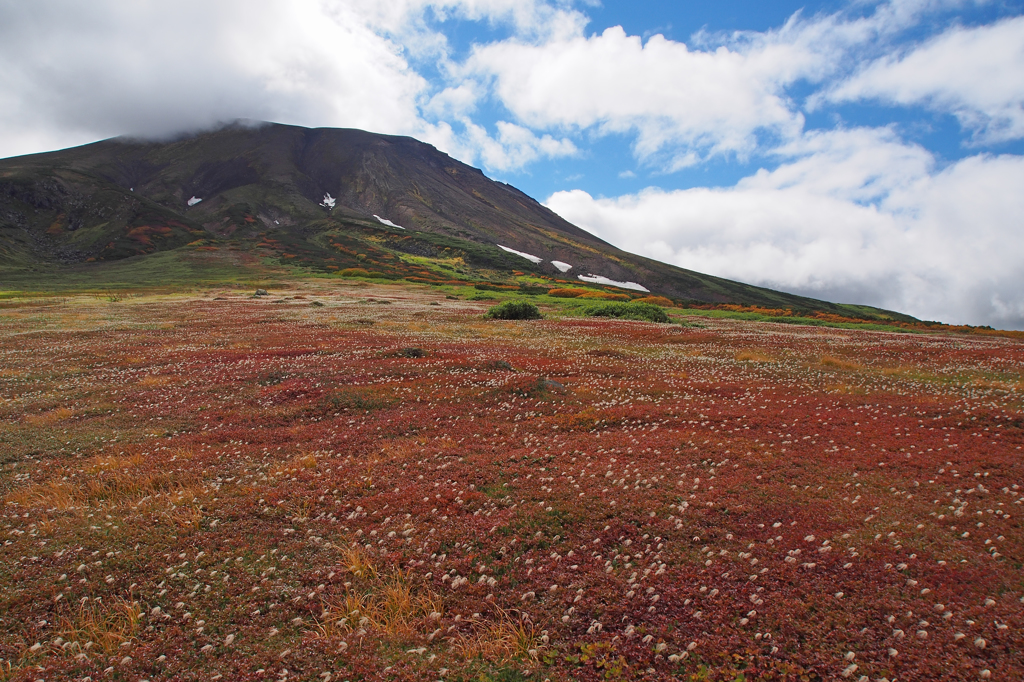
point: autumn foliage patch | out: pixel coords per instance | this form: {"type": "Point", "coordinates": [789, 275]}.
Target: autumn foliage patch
{"type": "Point", "coordinates": [254, 488]}
{"type": "Point", "coordinates": [567, 292]}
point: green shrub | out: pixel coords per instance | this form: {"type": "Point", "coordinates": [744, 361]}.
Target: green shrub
{"type": "Point", "coordinates": [514, 310]}
{"type": "Point", "coordinates": [627, 311]}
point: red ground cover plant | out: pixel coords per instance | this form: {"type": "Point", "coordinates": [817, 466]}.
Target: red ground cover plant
{"type": "Point", "coordinates": [225, 487]}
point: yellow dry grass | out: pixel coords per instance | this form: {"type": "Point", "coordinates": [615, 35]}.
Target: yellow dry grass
{"type": "Point", "coordinates": [752, 355]}
{"type": "Point", "coordinates": [294, 465]}
{"type": "Point", "coordinates": [51, 417]}
{"type": "Point", "coordinates": [358, 563]}
{"type": "Point", "coordinates": [115, 481]}
{"type": "Point", "coordinates": [501, 640]}
{"type": "Point", "coordinates": [97, 625]}
{"type": "Point", "coordinates": [156, 380]}
{"type": "Point", "coordinates": [839, 363]}
{"type": "Point", "coordinates": [391, 605]}
{"type": "Point", "coordinates": [303, 509]}
{"type": "Point", "coordinates": [188, 517]}
{"type": "Point", "coordinates": [50, 495]}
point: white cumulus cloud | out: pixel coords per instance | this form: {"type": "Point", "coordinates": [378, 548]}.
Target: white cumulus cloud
{"type": "Point", "coordinates": [976, 74]}
{"type": "Point", "coordinates": [77, 71]}
{"type": "Point", "coordinates": [513, 147]}
{"type": "Point", "coordinates": [660, 90]}
{"type": "Point", "coordinates": [73, 72]}
{"type": "Point", "coordinates": [855, 216]}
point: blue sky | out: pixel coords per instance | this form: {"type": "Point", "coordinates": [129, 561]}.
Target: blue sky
{"type": "Point", "coordinates": [858, 151]}
{"type": "Point", "coordinates": [600, 166]}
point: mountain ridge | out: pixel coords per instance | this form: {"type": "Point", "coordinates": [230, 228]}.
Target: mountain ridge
{"type": "Point", "coordinates": [311, 195]}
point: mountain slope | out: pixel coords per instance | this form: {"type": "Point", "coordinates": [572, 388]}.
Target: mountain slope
{"type": "Point", "coordinates": [310, 196]}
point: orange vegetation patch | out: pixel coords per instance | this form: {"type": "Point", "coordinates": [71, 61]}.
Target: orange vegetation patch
{"type": "Point", "coordinates": [654, 300]}
{"type": "Point", "coordinates": [604, 296]}
{"type": "Point", "coordinates": [839, 363]}
{"type": "Point", "coordinates": [145, 233]}
{"type": "Point", "coordinates": [773, 312]}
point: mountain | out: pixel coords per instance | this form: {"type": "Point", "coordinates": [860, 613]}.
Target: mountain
{"type": "Point", "coordinates": [326, 199]}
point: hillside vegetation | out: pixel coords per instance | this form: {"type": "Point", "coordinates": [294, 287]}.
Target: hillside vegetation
{"type": "Point", "coordinates": [211, 207]}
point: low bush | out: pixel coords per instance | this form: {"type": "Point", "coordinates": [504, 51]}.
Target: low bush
{"type": "Point", "coordinates": [486, 286]}
{"type": "Point", "coordinates": [655, 300]}
{"type": "Point", "coordinates": [567, 293]}
{"type": "Point", "coordinates": [354, 272]}
{"type": "Point", "coordinates": [605, 296]}
{"type": "Point", "coordinates": [627, 311]}
{"type": "Point", "coordinates": [514, 310]}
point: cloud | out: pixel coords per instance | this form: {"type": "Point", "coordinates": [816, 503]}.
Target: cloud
{"type": "Point", "coordinates": [855, 216]}
{"type": "Point", "coordinates": [976, 74]}
{"type": "Point", "coordinates": [71, 73]}
{"type": "Point", "coordinates": [724, 94]}
{"type": "Point", "coordinates": [107, 68]}
{"type": "Point", "coordinates": [513, 147]}
{"type": "Point", "coordinates": [528, 18]}
{"type": "Point", "coordinates": [660, 90]}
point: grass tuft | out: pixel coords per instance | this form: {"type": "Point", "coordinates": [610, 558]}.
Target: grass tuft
{"type": "Point", "coordinates": [502, 639]}
{"type": "Point", "coordinates": [95, 624]}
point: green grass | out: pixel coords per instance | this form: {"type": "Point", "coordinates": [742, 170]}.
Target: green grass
{"type": "Point", "coordinates": [186, 268]}
{"type": "Point", "coordinates": [809, 321]}
{"type": "Point", "coordinates": [176, 269]}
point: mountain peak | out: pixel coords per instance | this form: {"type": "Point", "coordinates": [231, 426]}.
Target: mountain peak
{"type": "Point", "coordinates": [328, 195]}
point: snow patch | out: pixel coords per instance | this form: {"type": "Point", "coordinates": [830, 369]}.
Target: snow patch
{"type": "Point", "coordinates": [562, 267]}
{"type": "Point", "coordinates": [598, 279]}
{"type": "Point", "coordinates": [532, 259]}
{"type": "Point", "coordinates": [191, 202]}
{"type": "Point", "coordinates": [328, 201]}
{"type": "Point", "coordinates": [385, 221]}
